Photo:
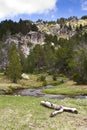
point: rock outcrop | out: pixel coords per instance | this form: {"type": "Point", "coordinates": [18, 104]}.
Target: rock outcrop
{"type": "Point", "coordinates": [26, 42]}
{"type": "Point", "coordinates": [25, 76]}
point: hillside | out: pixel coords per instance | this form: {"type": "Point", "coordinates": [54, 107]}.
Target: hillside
{"type": "Point", "coordinates": [43, 46]}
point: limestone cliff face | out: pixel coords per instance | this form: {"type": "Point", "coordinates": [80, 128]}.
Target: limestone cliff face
{"type": "Point", "coordinates": [23, 42]}
{"type": "Point", "coordinates": [26, 42]}
{"type": "Point", "coordinates": [36, 37]}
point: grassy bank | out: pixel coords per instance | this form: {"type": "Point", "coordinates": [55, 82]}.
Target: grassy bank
{"type": "Point", "coordinates": [33, 82]}
{"type": "Point", "coordinates": [68, 88]}
{"type": "Point", "coordinates": [22, 83]}
{"type": "Point", "coordinates": [26, 113]}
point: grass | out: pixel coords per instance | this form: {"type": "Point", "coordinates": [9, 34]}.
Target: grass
{"type": "Point", "coordinates": [5, 83]}
{"type": "Point", "coordinates": [26, 113]}
{"type": "Point", "coordinates": [68, 88]}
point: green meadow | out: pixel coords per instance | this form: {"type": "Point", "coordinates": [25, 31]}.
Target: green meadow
{"type": "Point", "coordinates": [26, 113]}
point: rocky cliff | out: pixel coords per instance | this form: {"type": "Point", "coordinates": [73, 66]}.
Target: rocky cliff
{"type": "Point", "coordinates": [62, 30]}
{"type": "Point", "coordinates": [26, 42]}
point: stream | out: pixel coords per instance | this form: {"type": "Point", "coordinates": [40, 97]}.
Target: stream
{"type": "Point", "coordinates": [38, 93]}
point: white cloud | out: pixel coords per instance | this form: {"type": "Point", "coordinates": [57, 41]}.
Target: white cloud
{"type": "Point", "coordinates": [15, 7]}
{"type": "Point", "coordinates": [84, 4]}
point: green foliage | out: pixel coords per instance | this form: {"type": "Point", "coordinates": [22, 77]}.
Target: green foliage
{"type": "Point", "coordinates": [44, 83]}
{"type": "Point", "coordinates": [84, 17]}
{"type": "Point", "coordinates": [50, 55]}
{"type": "Point", "coordinates": [70, 27]}
{"type": "Point", "coordinates": [77, 78]}
{"type": "Point", "coordinates": [1, 53]}
{"type": "Point", "coordinates": [77, 28]}
{"type": "Point", "coordinates": [37, 59]}
{"type": "Point", "coordinates": [63, 56]}
{"type": "Point", "coordinates": [10, 89]}
{"type": "Point", "coordinates": [79, 65]}
{"type": "Point", "coordinates": [51, 39]}
{"type": "Point", "coordinates": [80, 27]}
{"type": "Point", "coordinates": [34, 27]}
{"type": "Point", "coordinates": [41, 78]}
{"type": "Point", "coordinates": [54, 77]}
{"type": "Point", "coordinates": [14, 68]}
{"type": "Point", "coordinates": [61, 21]}
{"type": "Point", "coordinates": [72, 17]}
{"type": "Point", "coordinates": [24, 62]}
{"type": "Point", "coordinates": [10, 27]}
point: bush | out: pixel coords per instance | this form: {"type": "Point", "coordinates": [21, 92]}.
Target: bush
{"type": "Point", "coordinates": [41, 78]}
{"type": "Point", "coordinates": [54, 77]}
{"type": "Point", "coordinates": [10, 89]}
{"type": "Point", "coordinates": [44, 83]}
{"type": "Point", "coordinates": [57, 82]}
{"type": "Point", "coordinates": [79, 79]}
{"type": "Point", "coordinates": [61, 82]}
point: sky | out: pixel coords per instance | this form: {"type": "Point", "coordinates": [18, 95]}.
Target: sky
{"type": "Point", "coordinates": [41, 9]}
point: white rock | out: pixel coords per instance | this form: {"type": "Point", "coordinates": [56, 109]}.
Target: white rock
{"type": "Point", "coordinates": [25, 76]}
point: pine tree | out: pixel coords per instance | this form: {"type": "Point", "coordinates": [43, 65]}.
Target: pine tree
{"type": "Point", "coordinates": [14, 68]}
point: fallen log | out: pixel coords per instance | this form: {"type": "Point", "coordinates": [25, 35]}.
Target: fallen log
{"type": "Point", "coordinates": [50, 105]}
{"type": "Point", "coordinates": [56, 112]}
{"type": "Point", "coordinates": [59, 109]}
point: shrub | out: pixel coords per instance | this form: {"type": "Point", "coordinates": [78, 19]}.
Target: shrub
{"type": "Point", "coordinates": [57, 82]}
{"type": "Point", "coordinates": [44, 83]}
{"type": "Point", "coordinates": [41, 78]}
{"type": "Point", "coordinates": [54, 77]}
{"type": "Point", "coordinates": [79, 79]}
{"type": "Point", "coordinates": [10, 89]}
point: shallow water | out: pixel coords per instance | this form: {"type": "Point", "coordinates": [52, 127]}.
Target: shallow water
{"type": "Point", "coordinates": [38, 93]}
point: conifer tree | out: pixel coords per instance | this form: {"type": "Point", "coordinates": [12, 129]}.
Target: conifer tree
{"type": "Point", "coordinates": [14, 67]}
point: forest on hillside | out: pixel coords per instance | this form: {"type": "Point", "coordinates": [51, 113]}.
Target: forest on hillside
{"type": "Point", "coordinates": [57, 56]}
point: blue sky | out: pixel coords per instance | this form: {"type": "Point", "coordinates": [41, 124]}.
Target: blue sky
{"type": "Point", "coordinates": [41, 9]}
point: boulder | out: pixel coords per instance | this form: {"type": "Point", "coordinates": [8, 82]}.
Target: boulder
{"type": "Point", "coordinates": [25, 76]}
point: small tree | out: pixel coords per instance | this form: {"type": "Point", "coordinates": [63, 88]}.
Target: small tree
{"type": "Point", "coordinates": [14, 67]}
